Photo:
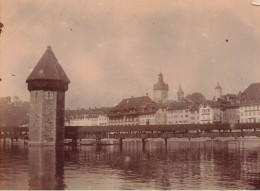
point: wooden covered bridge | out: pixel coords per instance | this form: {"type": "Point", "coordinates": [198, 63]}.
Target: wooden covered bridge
{"type": "Point", "coordinates": [144, 132]}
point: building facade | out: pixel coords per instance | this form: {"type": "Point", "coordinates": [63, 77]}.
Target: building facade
{"type": "Point", "coordinates": [249, 103]}
{"type": "Point", "coordinates": [210, 112]}
{"type": "Point", "coordinates": [87, 117]}
{"type": "Point", "coordinates": [178, 113]}
{"type": "Point", "coordinates": [231, 114]}
{"type": "Point", "coordinates": [138, 111]}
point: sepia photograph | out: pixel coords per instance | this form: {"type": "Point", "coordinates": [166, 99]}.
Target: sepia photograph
{"type": "Point", "coordinates": [129, 95]}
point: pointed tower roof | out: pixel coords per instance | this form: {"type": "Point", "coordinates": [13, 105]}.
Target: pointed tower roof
{"type": "Point", "coordinates": [48, 68]}
{"type": "Point", "coordinates": [48, 74]}
{"type": "Point", "coordinates": [218, 86]}
{"type": "Point", "coordinates": [160, 85]}
{"type": "Point", "coordinates": [180, 89]}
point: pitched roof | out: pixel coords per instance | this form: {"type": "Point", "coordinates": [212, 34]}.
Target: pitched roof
{"type": "Point", "coordinates": [251, 95]}
{"type": "Point", "coordinates": [179, 105]}
{"type": "Point", "coordinates": [252, 89]}
{"type": "Point", "coordinates": [218, 86]}
{"type": "Point", "coordinates": [48, 68]}
{"type": "Point", "coordinates": [180, 89]}
{"type": "Point", "coordinates": [134, 106]}
{"type": "Point", "coordinates": [213, 104]}
{"type": "Point", "coordinates": [134, 102]}
{"type": "Point", "coordinates": [195, 106]}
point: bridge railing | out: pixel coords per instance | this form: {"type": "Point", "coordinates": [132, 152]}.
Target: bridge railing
{"type": "Point", "coordinates": [83, 131]}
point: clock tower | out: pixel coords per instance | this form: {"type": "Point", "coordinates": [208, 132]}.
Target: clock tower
{"type": "Point", "coordinates": [160, 90]}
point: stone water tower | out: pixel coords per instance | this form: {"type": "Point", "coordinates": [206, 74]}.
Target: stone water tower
{"type": "Point", "coordinates": [47, 84]}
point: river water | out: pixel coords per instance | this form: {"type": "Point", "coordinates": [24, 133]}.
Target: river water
{"type": "Point", "coordinates": [179, 165]}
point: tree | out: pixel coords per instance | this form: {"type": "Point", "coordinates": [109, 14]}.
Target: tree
{"type": "Point", "coordinates": [195, 97]}
{"type": "Point", "coordinates": [1, 26]}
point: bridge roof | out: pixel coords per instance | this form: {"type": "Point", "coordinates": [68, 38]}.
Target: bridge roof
{"type": "Point", "coordinates": [48, 68]}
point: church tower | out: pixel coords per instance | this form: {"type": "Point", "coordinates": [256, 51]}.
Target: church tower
{"type": "Point", "coordinates": [218, 92]}
{"type": "Point", "coordinates": [180, 94]}
{"type": "Point", "coordinates": [160, 90]}
{"type": "Point", "coordinates": [47, 84]}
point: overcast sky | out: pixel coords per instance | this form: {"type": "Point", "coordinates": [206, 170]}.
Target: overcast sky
{"type": "Point", "coordinates": [112, 50]}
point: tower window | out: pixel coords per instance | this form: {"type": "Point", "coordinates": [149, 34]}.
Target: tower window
{"type": "Point", "coordinates": [48, 95]}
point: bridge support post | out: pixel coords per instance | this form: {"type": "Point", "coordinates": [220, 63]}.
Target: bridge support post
{"type": "Point", "coordinates": [165, 141]}
{"type": "Point", "coordinates": [242, 133]}
{"type": "Point", "coordinates": [74, 141]}
{"type": "Point", "coordinates": [98, 141]}
{"type": "Point", "coordinates": [120, 142]}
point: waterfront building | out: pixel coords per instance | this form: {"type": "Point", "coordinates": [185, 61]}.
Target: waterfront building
{"type": "Point", "coordinates": [178, 113]}
{"type": "Point", "coordinates": [180, 94]}
{"type": "Point", "coordinates": [87, 117]}
{"type": "Point", "coordinates": [194, 113]}
{"type": "Point", "coordinates": [161, 115]}
{"type": "Point", "coordinates": [138, 111]}
{"type": "Point", "coordinates": [183, 113]}
{"type": "Point", "coordinates": [210, 112]}
{"type": "Point", "coordinates": [231, 114]}
{"type": "Point", "coordinates": [249, 102]}
{"type": "Point", "coordinates": [147, 115]}
{"type": "Point", "coordinates": [160, 90]}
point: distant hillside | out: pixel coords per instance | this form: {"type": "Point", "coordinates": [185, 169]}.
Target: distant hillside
{"type": "Point", "coordinates": [13, 114]}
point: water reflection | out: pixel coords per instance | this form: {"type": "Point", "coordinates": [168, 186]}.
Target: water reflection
{"type": "Point", "coordinates": [46, 168]}
{"type": "Point", "coordinates": [179, 165]}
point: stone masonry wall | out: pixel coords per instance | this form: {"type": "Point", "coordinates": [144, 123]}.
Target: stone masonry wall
{"type": "Point", "coordinates": [60, 117]}
{"type": "Point", "coordinates": [43, 117]}
{"type": "Point", "coordinates": [49, 110]}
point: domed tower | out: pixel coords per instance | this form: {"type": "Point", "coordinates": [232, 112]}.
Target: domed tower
{"type": "Point", "coordinates": [218, 92]}
{"type": "Point", "coordinates": [160, 90]}
{"type": "Point", "coordinates": [47, 84]}
{"type": "Point", "coordinates": [180, 94]}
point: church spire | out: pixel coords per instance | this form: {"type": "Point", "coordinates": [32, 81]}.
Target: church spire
{"type": "Point", "coordinates": [180, 94]}
{"type": "Point", "coordinates": [180, 89]}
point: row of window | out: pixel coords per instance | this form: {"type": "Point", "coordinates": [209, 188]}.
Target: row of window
{"type": "Point", "coordinates": [147, 115]}
{"type": "Point", "coordinates": [206, 117]}
{"type": "Point", "coordinates": [254, 120]}
{"type": "Point", "coordinates": [122, 120]}
{"type": "Point", "coordinates": [123, 124]}
{"type": "Point", "coordinates": [178, 116]}
{"type": "Point", "coordinates": [204, 111]}
{"type": "Point", "coordinates": [250, 107]}
{"type": "Point", "coordinates": [178, 111]}
{"type": "Point", "coordinates": [250, 113]}
{"type": "Point", "coordinates": [48, 95]}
